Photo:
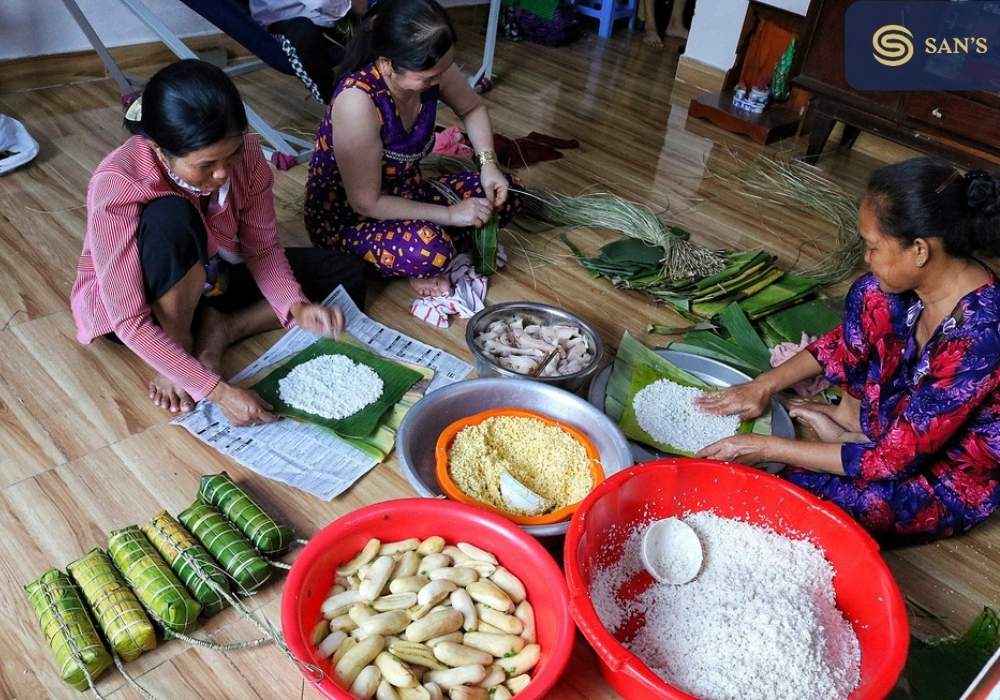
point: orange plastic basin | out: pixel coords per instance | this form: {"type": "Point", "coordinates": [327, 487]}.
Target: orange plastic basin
{"type": "Point", "coordinates": [452, 490]}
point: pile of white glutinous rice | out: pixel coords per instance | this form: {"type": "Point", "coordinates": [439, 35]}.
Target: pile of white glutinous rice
{"type": "Point", "coordinates": [760, 622]}
{"type": "Point", "coordinates": [667, 413]}
{"type": "Point", "coordinates": [330, 386]}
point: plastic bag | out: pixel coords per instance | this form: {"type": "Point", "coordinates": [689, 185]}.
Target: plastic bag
{"type": "Point", "coordinates": [16, 140]}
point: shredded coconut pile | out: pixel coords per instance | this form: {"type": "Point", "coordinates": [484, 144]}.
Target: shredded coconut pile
{"type": "Point", "coordinates": [759, 623]}
{"type": "Point", "coordinates": [330, 386]}
{"type": "Point", "coordinates": [667, 413]}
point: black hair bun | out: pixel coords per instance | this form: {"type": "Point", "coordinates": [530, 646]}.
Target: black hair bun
{"type": "Point", "coordinates": [981, 192]}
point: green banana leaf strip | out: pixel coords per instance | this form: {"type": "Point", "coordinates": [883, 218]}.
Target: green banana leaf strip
{"type": "Point", "coordinates": [789, 289]}
{"type": "Point", "coordinates": [714, 354]}
{"type": "Point", "coordinates": [396, 380]}
{"type": "Point", "coordinates": [747, 278]}
{"type": "Point", "coordinates": [742, 333]}
{"type": "Point", "coordinates": [814, 318]}
{"type": "Point", "coordinates": [118, 612]}
{"type": "Point", "coordinates": [267, 534]}
{"type": "Point", "coordinates": [68, 629]}
{"type": "Point", "coordinates": [751, 281]}
{"type": "Point", "coordinates": [631, 252]}
{"type": "Point", "coordinates": [154, 583]}
{"type": "Point", "coordinates": [750, 362]}
{"type": "Point", "coordinates": [484, 240]}
{"type": "Point", "coordinates": [738, 264]}
{"type": "Point", "coordinates": [227, 545]}
{"type": "Point", "coordinates": [709, 309]}
{"type": "Point", "coordinates": [190, 561]}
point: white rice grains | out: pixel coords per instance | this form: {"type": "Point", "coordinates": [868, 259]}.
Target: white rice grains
{"type": "Point", "coordinates": [666, 412]}
{"type": "Point", "coordinates": [330, 386]}
{"type": "Point", "coordinates": [759, 623]}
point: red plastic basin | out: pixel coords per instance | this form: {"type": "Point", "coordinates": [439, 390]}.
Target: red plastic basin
{"type": "Point", "coordinates": [867, 594]}
{"type": "Point", "coordinates": [312, 574]}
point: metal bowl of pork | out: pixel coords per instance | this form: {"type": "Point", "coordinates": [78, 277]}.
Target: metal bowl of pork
{"type": "Point", "coordinates": [424, 422]}
{"type": "Point", "coordinates": [541, 314]}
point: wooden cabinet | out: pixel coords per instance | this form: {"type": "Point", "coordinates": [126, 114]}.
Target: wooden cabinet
{"type": "Point", "coordinates": [961, 126]}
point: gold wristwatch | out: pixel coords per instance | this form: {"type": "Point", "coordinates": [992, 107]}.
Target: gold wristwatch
{"type": "Point", "coordinates": [484, 157]}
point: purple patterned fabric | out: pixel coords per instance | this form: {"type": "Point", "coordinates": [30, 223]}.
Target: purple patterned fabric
{"type": "Point", "coordinates": [395, 248]}
{"type": "Point", "coordinates": [931, 467]}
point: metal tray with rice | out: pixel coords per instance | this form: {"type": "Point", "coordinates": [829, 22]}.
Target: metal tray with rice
{"type": "Point", "coordinates": [710, 371]}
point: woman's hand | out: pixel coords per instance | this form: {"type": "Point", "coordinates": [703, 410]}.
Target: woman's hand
{"type": "Point", "coordinates": [470, 213]}
{"type": "Point", "coordinates": [319, 319]}
{"type": "Point", "coordinates": [494, 184]}
{"type": "Point", "coordinates": [745, 449]}
{"type": "Point", "coordinates": [743, 400]}
{"type": "Point", "coordinates": [241, 406]}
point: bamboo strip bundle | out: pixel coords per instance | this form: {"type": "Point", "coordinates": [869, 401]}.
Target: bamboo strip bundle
{"type": "Point", "coordinates": [268, 535]}
{"type": "Point", "coordinates": [118, 611]}
{"type": "Point", "coordinates": [155, 584]}
{"type": "Point", "coordinates": [70, 633]}
{"type": "Point", "coordinates": [227, 545]}
{"type": "Point", "coordinates": [189, 560]}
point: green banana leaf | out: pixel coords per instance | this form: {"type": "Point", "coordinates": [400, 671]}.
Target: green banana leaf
{"type": "Point", "coordinates": [787, 291]}
{"type": "Point", "coordinates": [944, 668]}
{"type": "Point", "coordinates": [190, 561]}
{"type": "Point", "coordinates": [379, 444]}
{"type": "Point", "coordinates": [814, 318]}
{"type": "Point", "coordinates": [154, 583]}
{"type": "Point", "coordinates": [118, 612]}
{"type": "Point", "coordinates": [739, 263]}
{"type": "Point", "coordinates": [750, 278]}
{"type": "Point", "coordinates": [485, 245]}
{"type": "Point", "coordinates": [68, 629]}
{"type": "Point", "coordinates": [396, 380]}
{"type": "Point", "coordinates": [267, 534]}
{"type": "Point", "coordinates": [636, 367]}
{"type": "Point", "coordinates": [631, 252]}
{"type": "Point", "coordinates": [227, 545]}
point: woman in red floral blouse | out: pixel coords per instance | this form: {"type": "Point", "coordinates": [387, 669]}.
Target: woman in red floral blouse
{"type": "Point", "coordinates": [912, 451]}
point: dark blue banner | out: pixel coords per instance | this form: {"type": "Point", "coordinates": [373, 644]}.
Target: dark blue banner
{"type": "Point", "coordinates": [923, 45]}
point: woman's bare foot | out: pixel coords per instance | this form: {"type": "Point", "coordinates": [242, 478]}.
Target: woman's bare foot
{"type": "Point", "coordinates": [652, 39]}
{"type": "Point", "coordinates": [826, 429]}
{"type": "Point", "coordinates": [436, 286]}
{"type": "Point", "coordinates": [169, 396]}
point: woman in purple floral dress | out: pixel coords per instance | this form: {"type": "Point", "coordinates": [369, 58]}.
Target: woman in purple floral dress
{"type": "Point", "coordinates": [913, 450]}
{"type": "Point", "coordinates": [365, 192]}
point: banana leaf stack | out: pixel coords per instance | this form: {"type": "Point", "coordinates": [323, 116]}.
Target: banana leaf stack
{"type": "Point", "coordinates": [190, 561]}
{"type": "Point", "coordinates": [153, 581]}
{"type": "Point", "coordinates": [119, 613]}
{"type": "Point", "coordinates": [80, 654]}
{"type": "Point", "coordinates": [750, 278]}
{"type": "Point", "coordinates": [227, 545]}
{"type": "Point", "coordinates": [636, 367]}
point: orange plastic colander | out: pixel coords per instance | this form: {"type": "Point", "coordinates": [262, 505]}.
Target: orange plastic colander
{"type": "Point", "coordinates": [452, 490]}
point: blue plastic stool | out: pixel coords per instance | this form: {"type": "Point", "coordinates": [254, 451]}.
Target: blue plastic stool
{"type": "Point", "coordinates": [607, 12]}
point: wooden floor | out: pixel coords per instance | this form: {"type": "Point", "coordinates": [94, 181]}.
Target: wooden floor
{"type": "Point", "coordinates": [83, 451]}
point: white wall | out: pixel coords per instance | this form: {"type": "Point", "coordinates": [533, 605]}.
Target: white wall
{"type": "Point", "coordinates": [716, 27]}
{"type": "Point", "coordinates": [40, 27]}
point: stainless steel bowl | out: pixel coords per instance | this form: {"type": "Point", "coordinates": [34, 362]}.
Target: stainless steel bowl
{"type": "Point", "coordinates": [545, 315]}
{"type": "Point", "coordinates": [418, 434]}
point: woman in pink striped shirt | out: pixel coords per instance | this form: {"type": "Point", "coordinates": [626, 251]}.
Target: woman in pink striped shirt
{"type": "Point", "coordinates": [181, 256]}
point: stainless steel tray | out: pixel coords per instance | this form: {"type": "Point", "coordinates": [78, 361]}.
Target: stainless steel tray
{"type": "Point", "coordinates": [419, 431]}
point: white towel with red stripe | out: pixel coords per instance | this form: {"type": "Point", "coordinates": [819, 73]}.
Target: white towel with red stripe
{"type": "Point", "coordinates": [468, 293]}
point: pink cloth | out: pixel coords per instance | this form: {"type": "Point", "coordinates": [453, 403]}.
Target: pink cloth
{"type": "Point", "coordinates": [468, 293]}
{"type": "Point", "coordinates": [782, 352]}
{"type": "Point", "coordinates": [451, 142]}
